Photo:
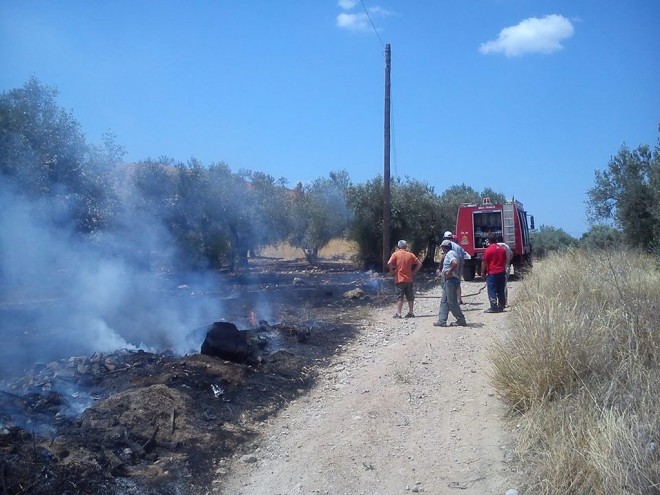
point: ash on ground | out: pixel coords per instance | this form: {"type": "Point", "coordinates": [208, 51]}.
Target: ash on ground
{"type": "Point", "coordinates": [136, 422]}
{"type": "Point", "coordinates": [147, 423]}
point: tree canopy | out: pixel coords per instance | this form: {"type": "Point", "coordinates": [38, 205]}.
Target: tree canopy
{"type": "Point", "coordinates": [209, 215]}
{"type": "Point", "coordinates": [548, 238]}
{"type": "Point", "coordinates": [627, 194]}
{"type": "Point", "coordinates": [319, 213]}
{"type": "Point", "coordinates": [601, 237]}
{"type": "Point", "coordinates": [44, 155]}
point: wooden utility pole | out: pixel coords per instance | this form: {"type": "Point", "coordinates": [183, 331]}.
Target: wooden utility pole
{"type": "Point", "coordinates": [387, 211]}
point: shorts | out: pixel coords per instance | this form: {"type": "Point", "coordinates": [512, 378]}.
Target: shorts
{"type": "Point", "coordinates": [404, 289]}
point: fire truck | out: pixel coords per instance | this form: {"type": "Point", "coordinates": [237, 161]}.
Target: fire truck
{"type": "Point", "coordinates": [475, 221]}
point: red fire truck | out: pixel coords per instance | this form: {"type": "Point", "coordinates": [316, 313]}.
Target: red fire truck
{"type": "Point", "coordinates": [475, 221]}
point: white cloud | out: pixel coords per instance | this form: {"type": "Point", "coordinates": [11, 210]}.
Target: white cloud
{"type": "Point", "coordinates": [353, 22]}
{"type": "Point", "coordinates": [347, 4]}
{"type": "Point", "coordinates": [358, 21]}
{"type": "Point", "coordinates": [379, 11]}
{"type": "Point", "coordinates": [533, 35]}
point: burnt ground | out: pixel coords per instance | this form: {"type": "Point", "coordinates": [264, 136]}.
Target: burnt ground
{"type": "Point", "coordinates": [136, 422]}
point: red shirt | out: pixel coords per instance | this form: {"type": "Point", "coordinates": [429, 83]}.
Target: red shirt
{"type": "Point", "coordinates": [495, 259]}
{"type": "Point", "coordinates": [403, 261]}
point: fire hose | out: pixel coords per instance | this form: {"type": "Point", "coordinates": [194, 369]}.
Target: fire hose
{"type": "Point", "coordinates": [463, 295]}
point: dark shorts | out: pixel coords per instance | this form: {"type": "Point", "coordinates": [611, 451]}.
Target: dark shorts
{"type": "Point", "coordinates": [404, 289]}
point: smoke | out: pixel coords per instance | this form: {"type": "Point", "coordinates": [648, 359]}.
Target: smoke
{"type": "Point", "coordinates": [62, 295]}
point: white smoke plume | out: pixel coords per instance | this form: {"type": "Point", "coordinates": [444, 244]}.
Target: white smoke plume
{"type": "Point", "coordinates": [61, 295]}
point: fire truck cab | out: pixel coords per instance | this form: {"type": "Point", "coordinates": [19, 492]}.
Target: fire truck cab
{"type": "Point", "coordinates": [475, 221]}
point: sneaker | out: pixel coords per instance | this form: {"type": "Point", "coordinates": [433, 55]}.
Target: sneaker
{"type": "Point", "coordinates": [438, 324]}
{"type": "Point", "coordinates": [409, 315]}
{"type": "Point", "coordinates": [459, 324]}
{"type": "Point", "coordinates": [491, 310]}
{"type": "Point", "coordinates": [396, 315]}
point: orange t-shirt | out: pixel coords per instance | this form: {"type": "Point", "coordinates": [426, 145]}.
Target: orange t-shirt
{"type": "Point", "coordinates": [403, 262]}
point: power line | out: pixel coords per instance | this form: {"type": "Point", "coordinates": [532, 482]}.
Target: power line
{"type": "Point", "coordinates": [372, 23]}
{"type": "Point", "coordinates": [383, 45]}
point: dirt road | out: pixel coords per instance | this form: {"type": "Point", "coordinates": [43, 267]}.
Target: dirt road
{"type": "Point", "coordinates": [405, 407]}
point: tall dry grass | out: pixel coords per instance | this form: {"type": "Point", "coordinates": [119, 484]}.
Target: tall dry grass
{"type": "Point", "coordinates": [580, 370]}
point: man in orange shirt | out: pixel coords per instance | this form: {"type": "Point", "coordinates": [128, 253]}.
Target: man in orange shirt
{"type": "Point", "coordinates": [404, 265]}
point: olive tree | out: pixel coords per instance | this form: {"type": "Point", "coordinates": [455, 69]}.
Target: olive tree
{"type": "Point", "coordinates": [366, 227]}
{"type": "Point", "coordinates": [418, 215]}
{"type": "Point", "coordinates": [267, 201]}
{"type": "Point", "coordinates": [627, 194]}
{"type": "Point", "coordinates": [319, 213]}
{"type": "Point", "coordinates": [450, 200]}
{"type": "Point", "coordinates": [414, 211]}
{"type": "Point", "coordinates": [247, 210]}
{"type": "Point", "coordinates": [601, 237]}
{"type": "Point", "coordinates": [547, 239]}
{"type": "Point", "coordinates": [154, 187]}
{"type": "Point", "coordinates": [44, 154]}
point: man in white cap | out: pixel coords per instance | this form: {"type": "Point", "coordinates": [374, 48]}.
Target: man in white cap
{"type": "Point", "coordinates": [460, 254]}
{"type": "Point", "coordinates": [450, 281]}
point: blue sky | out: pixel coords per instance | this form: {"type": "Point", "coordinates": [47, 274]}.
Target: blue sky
{"type": "Point", "coordinates": [527, 97]}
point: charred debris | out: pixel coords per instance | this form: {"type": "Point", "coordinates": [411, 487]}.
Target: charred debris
{"type": "Point", "coordinates": [153, 423]}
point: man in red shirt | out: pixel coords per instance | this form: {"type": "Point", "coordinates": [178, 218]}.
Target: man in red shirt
{"type": "Point", "coordinates": [493, 269]}
{"type": "Point", "coordinates": [404, 265]}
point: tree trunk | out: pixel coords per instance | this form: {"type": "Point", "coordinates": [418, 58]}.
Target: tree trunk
{"type": "Point", "coordinates": [429, 259]}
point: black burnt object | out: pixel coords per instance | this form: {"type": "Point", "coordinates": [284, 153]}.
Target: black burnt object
{"type": "Point", "coordinates": [226, 341]}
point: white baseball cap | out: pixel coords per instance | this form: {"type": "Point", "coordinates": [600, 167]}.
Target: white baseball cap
{"type": "Point", "coordinates": [448, 234]}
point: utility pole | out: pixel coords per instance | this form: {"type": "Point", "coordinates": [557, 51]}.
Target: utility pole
{"type": "Point", "coordinates": [387, 211]}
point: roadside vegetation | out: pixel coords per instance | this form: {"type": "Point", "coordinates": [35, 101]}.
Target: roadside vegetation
{"type": "Point", "coordinates": [210, 216]}
{"type": "Point", "coordinates": [580, 372]}
{"type": "Point", "coordinates": [206, 216]}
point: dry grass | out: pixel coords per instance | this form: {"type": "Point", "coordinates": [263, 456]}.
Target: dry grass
{"type": "Point", "coordinates": [580, 370]}
{"type": "Point", "coordinates": [336, 250]}
{"type": "Point", "coordinates": [402, 377]}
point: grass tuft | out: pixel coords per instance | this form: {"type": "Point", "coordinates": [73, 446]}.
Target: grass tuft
{"type": "Point", "coordinates": [580, 372]}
